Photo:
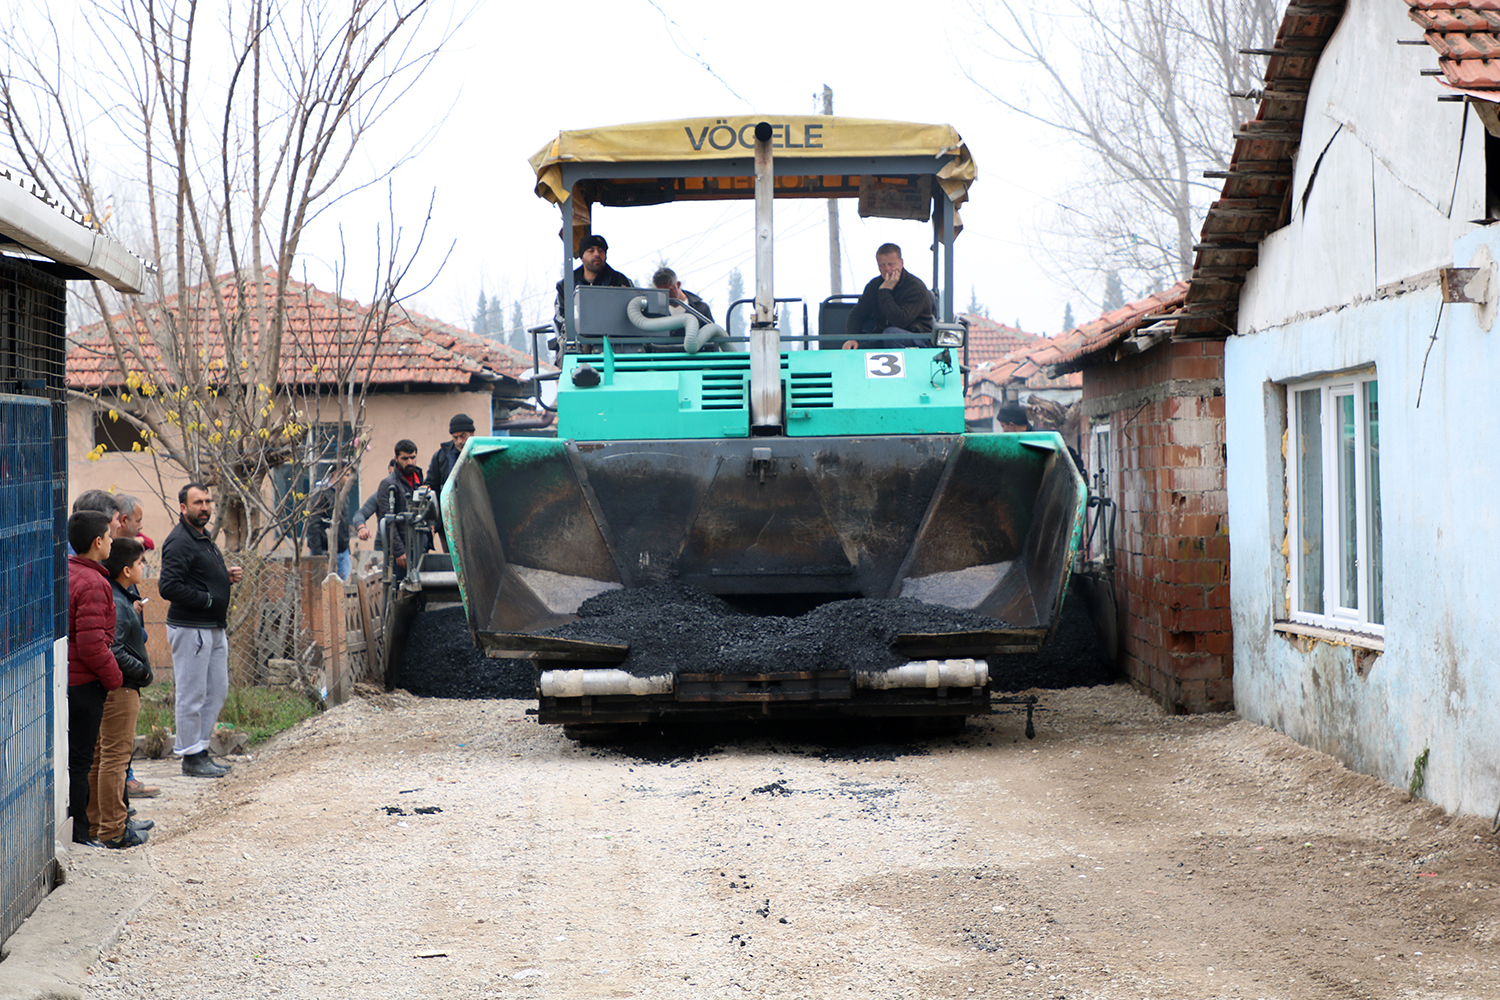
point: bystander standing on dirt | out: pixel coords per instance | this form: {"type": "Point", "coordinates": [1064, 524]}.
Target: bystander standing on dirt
{"type": "Point", "coordinates": [132, 516]}
{"type": "Point", "coordinates": [108, 810]}
{"type": "Point", "coordinates": [195, 582]}
{"type": "Point", "coordinates": [92, 671]}
{"type": "Point", "coordinates": [320, 516]}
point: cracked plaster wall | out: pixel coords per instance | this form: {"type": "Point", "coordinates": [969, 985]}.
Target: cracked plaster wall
{"type": "Point", "coordinates": [1401, 175]}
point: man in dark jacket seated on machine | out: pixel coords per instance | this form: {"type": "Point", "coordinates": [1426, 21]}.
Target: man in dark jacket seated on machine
{"type": "Point", "coordinates": [592, 250]}
{"type": "Point", "coordinates": [895, 303]}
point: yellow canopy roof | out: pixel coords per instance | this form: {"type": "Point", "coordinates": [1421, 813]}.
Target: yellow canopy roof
{"type": "Point", "coordinates": [799, 137]}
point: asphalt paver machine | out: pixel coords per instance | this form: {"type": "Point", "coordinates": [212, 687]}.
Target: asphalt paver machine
{"type": "Point", "coordinates": [772, 469]}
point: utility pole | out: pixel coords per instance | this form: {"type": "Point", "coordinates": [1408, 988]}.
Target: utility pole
{"type": "Point", "coordinates": [835, 269]}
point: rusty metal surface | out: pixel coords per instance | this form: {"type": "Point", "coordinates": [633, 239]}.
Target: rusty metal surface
{"type": "Point", "coordinates": [957, 645]}
{"type": "Point", "coordinates": [914, 703]}
{"type": "Point", "coordinates": [577, 652]}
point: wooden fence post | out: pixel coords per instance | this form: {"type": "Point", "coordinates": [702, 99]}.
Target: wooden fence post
{"type": "Point", "coordinates": [336, 674]}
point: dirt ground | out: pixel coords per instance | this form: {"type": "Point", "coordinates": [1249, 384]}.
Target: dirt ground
{"type": "Point", "coordinates": [406, 847]}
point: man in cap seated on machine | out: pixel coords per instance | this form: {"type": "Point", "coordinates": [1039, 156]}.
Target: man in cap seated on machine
{"type": "Point", "coordinates": [895, 302]}
{"type": "Point", "coordinates": [593, 250]}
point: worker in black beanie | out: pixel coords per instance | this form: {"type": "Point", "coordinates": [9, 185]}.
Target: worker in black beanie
{"type": "Point", "coordinates": [460, 429]}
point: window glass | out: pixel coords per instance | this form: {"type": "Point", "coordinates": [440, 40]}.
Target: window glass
{"type": "Point", "coordinates": [1334, 457]}
{"type": "Point", "coordinates": [116, 433]}
{"type": "Point", "coordinates": [1348, 500]}
{"type": "Point", "coordinates": [1100, 476]}
{"type": "Point", "coordinates": [1310, 500]}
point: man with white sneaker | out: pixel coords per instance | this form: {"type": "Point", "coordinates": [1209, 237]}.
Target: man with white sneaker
{"type": "Point", "coordinates": [195, 582]}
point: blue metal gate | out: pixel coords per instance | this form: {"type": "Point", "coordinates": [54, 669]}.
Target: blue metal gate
{"type": "Point", "coordinates": [27, 625]}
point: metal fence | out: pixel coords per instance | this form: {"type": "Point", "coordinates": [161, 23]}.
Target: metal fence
{"type": "Point", "coordinates": [33, 577]}
{"type": "Point", "coordinates": [27, 627]}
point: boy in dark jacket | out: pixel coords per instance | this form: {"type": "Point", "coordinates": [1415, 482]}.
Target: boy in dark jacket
{"type": "Point", "coordinates": [126, 565]}
{"type": "Point", "coordinates": [92, 670]}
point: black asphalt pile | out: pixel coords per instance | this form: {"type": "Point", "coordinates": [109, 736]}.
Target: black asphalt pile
{"type": "Point", "coordinates": [672, 628]}
{"type": "Point", "coordinates": [1075, 657]}
{"type": "Point", "coordinates": [443, 662]}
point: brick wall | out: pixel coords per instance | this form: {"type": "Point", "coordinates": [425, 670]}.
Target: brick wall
{"type": "Point", "coordinates": [1166, 413]}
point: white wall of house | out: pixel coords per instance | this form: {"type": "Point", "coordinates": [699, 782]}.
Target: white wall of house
{"type": "Point", "coordinates": [1392, 199]}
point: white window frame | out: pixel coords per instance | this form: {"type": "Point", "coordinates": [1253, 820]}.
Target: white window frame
{"type": "Point", "coordinates": [1101, 478]}
{"type": "Point", "coordinates": [1335, 540]}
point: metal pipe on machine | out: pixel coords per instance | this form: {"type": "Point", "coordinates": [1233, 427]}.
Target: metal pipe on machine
{"type": "Point", "coordinates": [765, 340]}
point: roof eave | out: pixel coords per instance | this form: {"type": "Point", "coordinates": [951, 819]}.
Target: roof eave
{"type": "Point", "coordinates": [42, 229]}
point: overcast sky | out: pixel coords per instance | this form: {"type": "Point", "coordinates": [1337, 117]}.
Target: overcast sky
{"type": "Point", "coordinates": [517, 74]}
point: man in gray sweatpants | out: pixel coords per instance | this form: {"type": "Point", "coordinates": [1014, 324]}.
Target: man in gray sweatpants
{"type": "Point", "coordinates": [195, 584]}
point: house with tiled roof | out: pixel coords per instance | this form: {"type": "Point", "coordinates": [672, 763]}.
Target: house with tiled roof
{"type": "Point", "coordinates": [1349, 262]}
{"type": "Point", "coordinates": [989, 341]}
{"type": "Point", "coordinates": [1001, 371]}
{"type": "Point", "coordinates": [418, 372]}
{"type": "Point", "coordinates": [1022, 376]}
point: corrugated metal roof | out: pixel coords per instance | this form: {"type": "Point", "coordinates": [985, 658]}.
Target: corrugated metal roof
{"type": "Point", "coordinates": [39, 223]}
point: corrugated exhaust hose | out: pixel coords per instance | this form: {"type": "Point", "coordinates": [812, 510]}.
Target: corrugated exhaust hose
{"type": "Point", "coordinates": [694, 337]}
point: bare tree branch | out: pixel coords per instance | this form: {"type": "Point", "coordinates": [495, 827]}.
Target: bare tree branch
{"type": "Point", "coordinates": [227, 130]}
{"type": "Point", "coordinates": [1143, 91]}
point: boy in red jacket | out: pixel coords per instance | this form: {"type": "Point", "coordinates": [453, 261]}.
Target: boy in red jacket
{"type": "Point", "coordinates": [92, 670]}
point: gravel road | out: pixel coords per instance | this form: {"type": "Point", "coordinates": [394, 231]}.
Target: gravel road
{"type": "Point", "coordinates": [406, 847]}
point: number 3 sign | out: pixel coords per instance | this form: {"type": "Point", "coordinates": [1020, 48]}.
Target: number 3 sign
{"type": "Point", "coordinates": [884, 365]}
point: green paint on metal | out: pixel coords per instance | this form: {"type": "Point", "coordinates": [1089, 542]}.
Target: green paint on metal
{"type": "Point", "coordinates": [675, 396]}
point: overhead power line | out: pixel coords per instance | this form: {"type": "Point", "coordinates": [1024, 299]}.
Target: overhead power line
{"type": "Point", "coordinates": [693, 54]}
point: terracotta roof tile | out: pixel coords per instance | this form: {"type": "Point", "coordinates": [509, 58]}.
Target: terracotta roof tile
{"type": "Point", "coordinates": [328, 335]}
{"type": "Point", "coordinates": [1024, 368]}
{"type": "Point", "coordinates": [979, 408]}
{"type": "Point", "coordinates": [991, 341]}
{"type": "Point", "coordinates": [1465, 34]}
{"type": "Point", "coordinates": [1069, 349]}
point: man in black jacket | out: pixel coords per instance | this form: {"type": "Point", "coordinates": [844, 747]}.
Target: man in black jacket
{"type": "Point", "coordinates": [894, 303]}
{"type": "Point", "coordinates": [460, 429]}
{"type": "Point", "coordinates": [195, 584]}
